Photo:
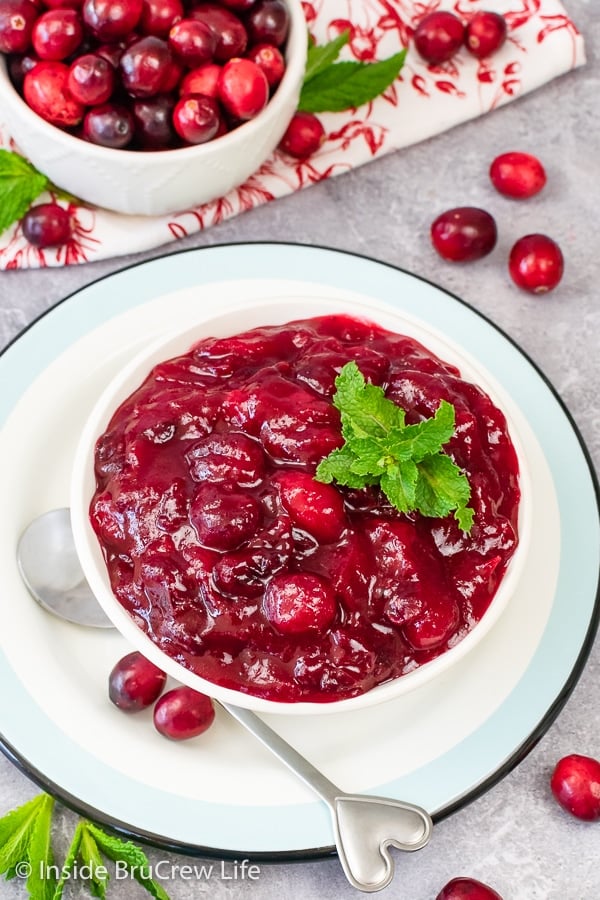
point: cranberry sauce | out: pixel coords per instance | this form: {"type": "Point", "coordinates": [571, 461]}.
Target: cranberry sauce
{"type": "Point", "coordinates": [242, 567]}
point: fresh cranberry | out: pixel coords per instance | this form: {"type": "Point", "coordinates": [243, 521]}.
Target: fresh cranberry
{"type": "Point", "coordinates": [109, 125]}
{"type": "Point", "coordinates": [111, 20]}
{"type": "Point", "coordinates": [18, 67]}
{"type": "Point", "coordinates": [243, 88]}
{"type": "Point", "coordinates": [159, 16]}
{"type": "Point", "coordinates": [467, 889]}
{"type": "Point", "coordinates": [192, 42]}
{"type": "Point", "coordinates": [575, 783]}
{"type": "Point", "coordinates": [17, 18]}
{"type": "Point", "coordinates": [439, 36]}
{"type": "Point", "coordinates": [299, 603]}
{"type": "Point", "coordinates": [485, 33]}
{"type": "Point", "coordinates": [232, 37]}
{"type": "Point", "coordinates": [224, 519]}
{"type": "Point", "coordinates": [135, 683]}
{"type": "Point", "coordinates": [201, 80]}
{"type": "Point", "coordinates": [196, 118]}
{"type": "Point", "coordinates": [111, 52]}
{"type": "Point", "coordinates": [313, 506]}
{"type": "Point", "coordinates": [183, 713]}
{"type": "Point", "coordinates": [46, 91]}
{"type": "Point", "coordinates": [268, 21]}
{"type": "Point", "coordinates": [270, 60]}
{"type": "Point", "coordinates": [464, 233]}
{"type": "Point", "coordinates": [57, 33]}
{"type": "Point", "coordinates": [47, 225]}
{"type": "Point", "coordinates": [536, 263]}
{"type": "Point", "coordinates": [153, 122]}
{"type": "Point", "coordinates": [518, 175]}
{"type": "Point", "coordinates": [238, 5]}
{"type": "Point", "coordinates": [144, 66]}
{"type": "Point", "coordinates": [60, 4]}
{"type": "Point", "coordinates": [91, 79]}
{"type": "Point", "coordinates": [304, 135]}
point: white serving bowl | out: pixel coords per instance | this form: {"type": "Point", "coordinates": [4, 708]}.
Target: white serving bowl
{"type": "Point", "coordinates": [159, 182]}
{"type": "Point", "coordinates": [236, 319]}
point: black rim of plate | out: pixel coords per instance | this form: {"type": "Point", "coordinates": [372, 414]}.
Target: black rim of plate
{"type": "Point", "coordinates": [163, 843]}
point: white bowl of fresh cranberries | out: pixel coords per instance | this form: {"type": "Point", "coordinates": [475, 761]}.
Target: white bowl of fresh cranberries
{"type": "Point", "coordinates": [209, 534]}
{"type": "Point", "coordinates": [150, 106]}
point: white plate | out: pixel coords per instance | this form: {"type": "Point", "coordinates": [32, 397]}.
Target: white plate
{"type": "Point", "coordinates": [222, 793]}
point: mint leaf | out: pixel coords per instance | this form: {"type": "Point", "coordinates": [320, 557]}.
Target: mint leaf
{"type": "Point", "coordinates": [16, 830]}
{"type": "Point", "coordinates": [406, 461]}
{"type": "Point", "coordinates": [69, 863]}
{"type": "Point", "coordinates": [20, 185]}
{"type": "Point", "coordinates": [347, 85]}
{"type": "Point", "coordinates": [319, 57]}
{"type": "Point", "coordinates": [133, 856]}
{"type": "Point", "coordinates": [92, 860]}
{"type": "Point", "coordinates": [41, 882]}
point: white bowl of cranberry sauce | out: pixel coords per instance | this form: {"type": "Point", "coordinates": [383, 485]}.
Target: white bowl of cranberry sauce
{"type": "Point", "coordinates": [159, 105]}
{"type": "Point", "coordinates": [215, 551]}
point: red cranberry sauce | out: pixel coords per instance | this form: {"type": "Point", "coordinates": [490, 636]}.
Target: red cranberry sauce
{"type": "Point", "coordinates": [247, 571]}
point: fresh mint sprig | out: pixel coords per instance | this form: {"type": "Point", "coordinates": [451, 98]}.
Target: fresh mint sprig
{"type": "Point", "coordinates": [406, 461]}
{"type": "Point", "coordinates": [20, 185]}
{"type": "Point", "coordinates": [331, 86]}
{"type": "Point", "coordinates": [26, 852]}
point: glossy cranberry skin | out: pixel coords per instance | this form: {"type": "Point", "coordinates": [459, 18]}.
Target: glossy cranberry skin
{"type": "Point", "coordinates": [196, 118]}
{"type": "Point", "coordinates": [223, 518]}
{"type": "Point", "coordinates": [575, 784]}
{"type": "Point", "coordinates": [517, 175]}
{"type": "Point", "coordinates": [439, 36]}
{"type": "Point", "coordinates": [536, 263]}
{"type": "Point", "coordinates": [192, 42]}
{"type": "Point", "coordinates": [57, 33]}
{"type": "Point", "coordinates": [109, 125]}
{"type": "Point", "coordinates": [268, 22]}
{"type": "Point", "coordinates": [111, 20]}
{"type": "Point", "coordinates": [467, 889]}
{"type": "Point", "coordinates": [464, 233]}
{"type": "Point", "coordinates": [232, 37]}
{"type": "Point", "coordinates": [153, 122]}
{"type": "Point", "coordinates": [270, 60]}
{"type": "Point", "coordinates": [19, 65]}
{"type": "Point", "coordinates": [91, 79]}
{"type": "Point", "coordinates": [144, 67]}
{"type": "Point", "coordinates": [17, 18]}
{"type": "Point", "coordinates": [159, 16]}
{"type": "Point", "coordinates": [45, 89]}
{"type": "Point", "coordinates": [299, 603]}
{"type": "Point", "coordinates": [304, 135]}
{"type": "Point", "coordinates": [485, 33]}
{"type": "Point", "coordinates": [183, 713]}
{"type": "Point", "coordinates": [47, 225]}
{"type": "Point", "coordinates": [243, 88]}
{"type": "Point", "coordinates": [313, 506]}
{"type": "Point", "coordinates": [135, 683]}
{"type": "Point", "coordinates": [201, 80]}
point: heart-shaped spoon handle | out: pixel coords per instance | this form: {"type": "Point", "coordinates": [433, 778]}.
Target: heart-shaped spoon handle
{"type": "Point", "coordinates": [365, 827]}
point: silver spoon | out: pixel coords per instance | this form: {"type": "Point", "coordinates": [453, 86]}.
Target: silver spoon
{"type": "Point", "coordinates": [365, 827]}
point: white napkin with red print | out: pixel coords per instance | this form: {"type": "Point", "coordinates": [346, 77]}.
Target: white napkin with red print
{"type": "Point", "coordinates": [543, 43]}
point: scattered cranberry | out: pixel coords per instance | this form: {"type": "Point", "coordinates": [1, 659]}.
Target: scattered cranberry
{"type": "Point", "coordinates": [46, 91]}
{"type": "Point", "coordinates": [91, 79]}
{"type": "Point", "coordinates": [439, 36]}
{"type": "Point", "coordinates": [299, 603]}
{"type": "Point", "coordinates": [17, 18]}
{"type": "Point", "coordinates": [135, 683]}
{"type": "Point", "coordinates": [464, 234]}
{"type": "Point", "coordinates": [536, 263]}
{"type": "Point", "coordinates": [485, 33]}
{"type": "Point", "coordinates": [575, 783]}
{"type": "Point", "coordinates": [303, 136]}
{"type": "Point", "coordinates": [243, 88]}
{"type": "Point", "coordinates": [183, 713]}
{"type": "Point", "coordinates": [467, 889]}
{"type": "Point", "coordinates": [47, 225]}
{"type": "Point", "coordinates": [518, 175]}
